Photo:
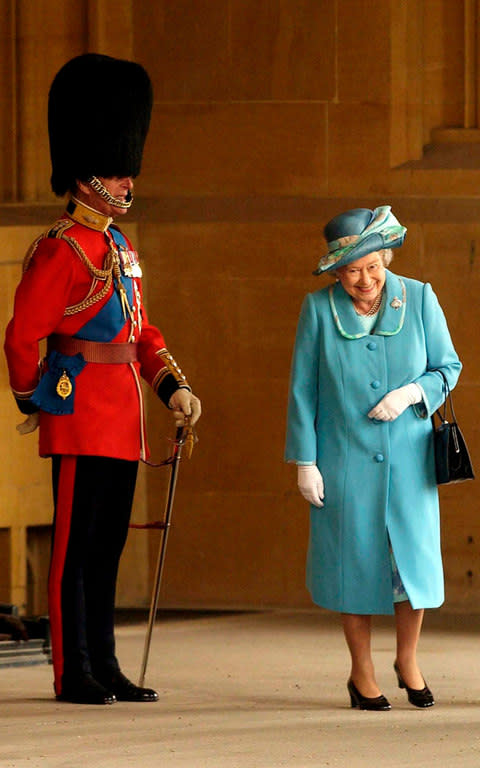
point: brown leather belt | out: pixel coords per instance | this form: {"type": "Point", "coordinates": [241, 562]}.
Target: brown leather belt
{"type": "Point", "coordinates": [94, 351]}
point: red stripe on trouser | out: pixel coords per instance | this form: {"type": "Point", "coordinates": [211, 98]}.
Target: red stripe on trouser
{"type": "Point", "coordinates": [63, 518]}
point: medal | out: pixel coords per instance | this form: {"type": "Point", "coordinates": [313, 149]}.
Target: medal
{"type": "Point", "coordinates": [64, 386]}
{"type": "Point", "coordinates": [129, 262]}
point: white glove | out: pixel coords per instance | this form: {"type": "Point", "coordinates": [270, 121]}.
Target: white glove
{"type": "Point", "coordinates": [184, 403]}
{"type": "Point", "coordinates": [395, 402]}
{"type": "Point", "coordinates": [29, 425]}
{"type": "Point", "coordinates": [310, 484]}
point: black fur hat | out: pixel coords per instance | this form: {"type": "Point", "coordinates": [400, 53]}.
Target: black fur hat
{"type": "Point", "coordinates": [98, 116]}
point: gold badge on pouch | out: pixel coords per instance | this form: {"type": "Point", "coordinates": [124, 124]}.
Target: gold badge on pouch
{"type": "Point", "coordinates": [64, 386]}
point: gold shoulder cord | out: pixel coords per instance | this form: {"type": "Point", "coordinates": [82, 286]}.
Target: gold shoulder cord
{"type": "Point", "coordinates": [103, 275]}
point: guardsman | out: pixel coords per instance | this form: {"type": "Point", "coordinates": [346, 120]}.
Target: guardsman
{"type": "Point", "coordinates": [81, 291]}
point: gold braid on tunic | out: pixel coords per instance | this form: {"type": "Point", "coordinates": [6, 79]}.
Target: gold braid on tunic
{"type": "Point", "coordinates": [104, 275]}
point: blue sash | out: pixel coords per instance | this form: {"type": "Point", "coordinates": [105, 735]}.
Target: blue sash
{"type": "Point", "coordinates": [105, 326]}
{"type": "Point", "coordinates": [109, 320]}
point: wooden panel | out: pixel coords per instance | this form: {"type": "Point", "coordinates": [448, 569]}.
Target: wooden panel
{"type": "Point", "coordinates": [24, 479]}
{"type": "Point", "coordinates": [38, 561]}
{"type": "Point", "coordinates": [24, 492]}
{"type": "Point", "coordinates": [18, 567]}
{"type": "Point", "coordinates": [5, 571]}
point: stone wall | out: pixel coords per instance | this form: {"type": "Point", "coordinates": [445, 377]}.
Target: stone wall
{"type": "Point", "coordinates": [269, 118]}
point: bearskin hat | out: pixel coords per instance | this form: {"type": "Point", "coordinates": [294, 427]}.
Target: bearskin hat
{"type": "Point", "coordinates": [98, 116]}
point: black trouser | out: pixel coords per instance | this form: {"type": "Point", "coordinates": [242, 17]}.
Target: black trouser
{"type": "Point", "coordinates": [93, 500]}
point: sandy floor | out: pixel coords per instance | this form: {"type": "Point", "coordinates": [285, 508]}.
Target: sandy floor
{"type": "Point", "coordinates": [252, 690]}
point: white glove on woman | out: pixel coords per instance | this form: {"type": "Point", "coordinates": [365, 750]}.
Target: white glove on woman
{"type": "Point", "coordinates": [310, 484]}
{"type": "Point", "coordinates": [395, 402]}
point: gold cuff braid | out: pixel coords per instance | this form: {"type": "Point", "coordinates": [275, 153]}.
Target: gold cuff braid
{"type": "Point", "coordinates": [171, 366]}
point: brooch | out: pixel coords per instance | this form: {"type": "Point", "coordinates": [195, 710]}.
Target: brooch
{"type": "Point", "coordinates": [396, 303]}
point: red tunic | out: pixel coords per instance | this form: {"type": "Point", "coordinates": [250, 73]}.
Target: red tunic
{"type": "Point", "coordinates": [65, 273]}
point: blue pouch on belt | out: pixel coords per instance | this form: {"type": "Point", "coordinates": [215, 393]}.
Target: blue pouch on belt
{"type": "Point", "coordinates": [55, 392]}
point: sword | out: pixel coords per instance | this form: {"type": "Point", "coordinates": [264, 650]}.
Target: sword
{"type": "Point", "coordinates": [184, 438]}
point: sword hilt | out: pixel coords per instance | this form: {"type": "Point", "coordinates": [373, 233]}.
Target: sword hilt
{"type": "Point", "coordinates": [186, 437]}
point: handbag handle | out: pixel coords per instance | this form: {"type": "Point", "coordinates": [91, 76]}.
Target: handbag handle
{"type": "Point", "coordinates": [448, 398]}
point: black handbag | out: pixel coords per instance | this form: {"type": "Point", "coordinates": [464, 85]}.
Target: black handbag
{"type": "Point", "coordinates": [452, 460]}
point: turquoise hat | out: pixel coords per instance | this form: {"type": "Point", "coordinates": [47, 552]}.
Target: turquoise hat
{"type": "Point", "coordinates": [357, 233]}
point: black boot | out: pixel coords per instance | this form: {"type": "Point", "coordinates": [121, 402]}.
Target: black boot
{"type": "Point", "coordinates": [125, 690]}
{"type": "Point", "coordinates": [85, 690]}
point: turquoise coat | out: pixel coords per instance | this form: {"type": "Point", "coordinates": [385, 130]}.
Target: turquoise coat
{"type": "Point", "coordinates": [379, 476]}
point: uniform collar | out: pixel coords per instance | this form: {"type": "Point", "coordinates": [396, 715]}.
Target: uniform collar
{"type": "Point", "coordinates": [89, 217]}
{"type": "Point", "coordinates": [390, 320]}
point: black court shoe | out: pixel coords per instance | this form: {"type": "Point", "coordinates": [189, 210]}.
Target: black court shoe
{"type": "Point", "coordinates": [377, 703]}
{"type": "Point", "coordinates": [85, 690]}
{"type": "Point", "coordinates": [419, 697]}
{"type": "Point", "coordinates": [125, 690]}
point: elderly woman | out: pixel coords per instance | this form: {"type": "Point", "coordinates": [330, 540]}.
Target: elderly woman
{"type": "Point", "coordinates": [365, 380]}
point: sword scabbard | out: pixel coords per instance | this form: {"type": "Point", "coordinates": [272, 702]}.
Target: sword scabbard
{"type": "Point", "coordinates": [184, 437]}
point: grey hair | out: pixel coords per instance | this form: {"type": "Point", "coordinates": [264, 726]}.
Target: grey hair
{"type": "Point", "coordinates": [387, 256]}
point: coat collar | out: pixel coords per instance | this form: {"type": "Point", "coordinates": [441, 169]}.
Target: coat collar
{"type": "Point", "coordinates": [390, 320]}
{"type": "Point", "coordinates": [89, 217]}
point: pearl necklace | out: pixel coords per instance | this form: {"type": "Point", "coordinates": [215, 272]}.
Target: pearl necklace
{"type": "Point", "coordinates": [373, 309]}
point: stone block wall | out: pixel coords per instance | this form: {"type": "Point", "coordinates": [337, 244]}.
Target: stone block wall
{"type": "Point", "coordinates": [269, 118]}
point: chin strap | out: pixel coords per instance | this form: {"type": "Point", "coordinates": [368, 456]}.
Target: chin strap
{"type": "Point", "coordinates": [97, 185]}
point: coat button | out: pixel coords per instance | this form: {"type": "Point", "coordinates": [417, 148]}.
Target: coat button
{"type": "Point", "coordinates": [375, 384]}
{"type": "Point", "coordinates": [372, 345]}
{"type": "Point", "coordinates": [379, 457]}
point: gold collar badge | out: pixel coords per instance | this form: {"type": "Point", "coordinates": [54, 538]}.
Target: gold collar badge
{"type": "Point", "coordinates": [89, 217]}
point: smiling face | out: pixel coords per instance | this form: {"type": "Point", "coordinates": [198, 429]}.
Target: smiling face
{"type": "Point", "coordinates": [364, 279]}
